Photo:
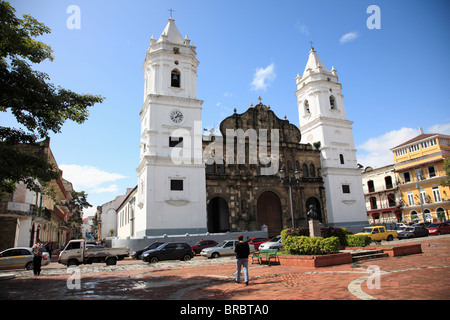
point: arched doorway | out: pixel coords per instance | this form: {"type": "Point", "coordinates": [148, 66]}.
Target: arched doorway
{"type": "Point", "coordinates": [269, 212]}
{"type": "Point", "coordinates": [316, 203]}
{"type": "Point", "coordinates": [427, 217]}
{"type": "Point", "coordinates": [440, 213]}
{"type": "Point", "coordinates": [218, 215]}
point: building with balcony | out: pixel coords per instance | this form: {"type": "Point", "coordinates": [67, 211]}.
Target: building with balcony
{"type": "Point", "coordinates": [26, 215]}
{"type": "Point", "coordinates": [382, 195]}
{"type": "Point", "coordinates": [419, 164]}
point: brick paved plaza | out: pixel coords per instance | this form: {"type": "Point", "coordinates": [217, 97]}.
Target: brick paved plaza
{"type": "Point", "coordinates": [422, 276]}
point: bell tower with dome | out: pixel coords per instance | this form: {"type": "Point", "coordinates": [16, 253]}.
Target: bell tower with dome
{"type": "Point", "coordinates": [171, 174]}
{"type": "Point", "coordinates": [322, 119]}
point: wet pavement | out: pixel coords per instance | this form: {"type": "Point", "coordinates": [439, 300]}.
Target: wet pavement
{"type": "Point", "coordinates": [424, 276]}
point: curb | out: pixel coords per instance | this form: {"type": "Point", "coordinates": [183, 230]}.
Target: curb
{"type": "Point", "coordinates": [7, 276]}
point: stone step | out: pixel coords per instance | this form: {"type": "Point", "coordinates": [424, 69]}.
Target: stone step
{"type": "Point", "coordinates": [368, 254]}
{"type": "Point", "coordinates": [358, 253]}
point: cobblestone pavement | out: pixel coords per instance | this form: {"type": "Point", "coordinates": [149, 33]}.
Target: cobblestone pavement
{"type": "Point", "coordinates": [419, 276]}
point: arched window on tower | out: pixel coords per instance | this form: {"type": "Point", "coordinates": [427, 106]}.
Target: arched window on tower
{"type": "Point", "coordinates": [333, 103]}
{"type": "Point", "coordinates": [305, 171]}
{"type": "Point", "coordinates": [341, 158]}
{"type": "Point", "coordinates": [175, 77]}
{"type": "Point", "coordinates": [312, 171]}
{"type": "Point", "coordinates": [306, 105]}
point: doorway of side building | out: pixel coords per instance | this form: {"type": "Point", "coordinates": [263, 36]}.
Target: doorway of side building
{"type": "Point", "coordinates": [269, 212]}
{"type": "Point", "coordinates": [218, 215]}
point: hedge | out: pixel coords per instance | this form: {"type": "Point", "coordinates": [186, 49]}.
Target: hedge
{"type": "Point", "coordinates": [354, 240]}
{"type": "Point", "coordinates": [304, 245]}
{"type": "Point", "coordinates": [326, 232]}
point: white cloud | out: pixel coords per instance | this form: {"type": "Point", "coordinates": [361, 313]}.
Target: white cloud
{"type": "Point", "coordinates": [302, 28]}
{"type": "Point", "coordinates": [376, 152]}
{"type": "Point", "coordinates": [263, 76]}
{"type": "Point", "coordinates": [90, 179]}
{"type": "Point", "coordinates": [440, 128]}
{"type": "Point", "coordinates": [348, 37]}
{"type": "Point", "coordinates": [110, 188]}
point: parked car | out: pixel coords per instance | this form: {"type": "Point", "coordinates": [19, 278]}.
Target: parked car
{"type": "Point", "coordinates": [400, 226]}
{"type": "Point", "coordinates": [438, 228]}
{"type": "Point", "coordinates": [196, 249]}
{"type": "Point", "coordinates": [274, 243]}
{"type": "Point", "coordinates": [222, 249]}
{"type": "Point", "coordinates": [137, 254]}
{"type": "Point", "coordinates": [378, 233]}
{"type": "Point", "coordinates": [412, 232]}
{"type": "Point", "coordinates": [258, 241]}
{"type": "Point", "coordinates": [77, 252]}
{"type": "Point", "coordinates": [169, 251]}
{"type": "Point", "coordinates": [421, 224]}
{"type": "Point", "coordinates": [19, 258]}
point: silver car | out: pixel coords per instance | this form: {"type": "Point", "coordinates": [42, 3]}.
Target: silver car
{"type": "Point", "coordinates": [274, 243]}
{"type": "Point", "coordinates": [19, 258]}
{"type": "Point", "coordinates": [223, 249]}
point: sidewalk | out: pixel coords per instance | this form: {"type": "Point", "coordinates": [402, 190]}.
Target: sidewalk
{"type": "Point", "coordinates": [424, 276]}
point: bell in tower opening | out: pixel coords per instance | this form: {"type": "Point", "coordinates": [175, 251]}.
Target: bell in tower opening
{"type": "Point", "coordinates": [175, 78]}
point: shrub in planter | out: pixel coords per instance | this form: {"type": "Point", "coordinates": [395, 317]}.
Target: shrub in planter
{"type": "Point", "coordinates": [301, 231]}
{"type": "Point", "coordinates": [340, 233]}
{"type": "Point", "coordinates": [304, 245]}
{"type": "Point", "coordinates": [326, 232]}
{"type": "Point", "coordinates": [354, 240]}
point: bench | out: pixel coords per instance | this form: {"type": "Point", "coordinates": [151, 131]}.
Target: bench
{"type": "Point", "coordinates": [264, 255]}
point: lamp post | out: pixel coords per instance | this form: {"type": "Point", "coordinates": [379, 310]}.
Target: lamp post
{"type": "Point", "coordinates": [289, 182]}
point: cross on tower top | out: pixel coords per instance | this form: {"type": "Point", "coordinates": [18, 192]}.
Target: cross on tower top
{"type": "Point", "coordinates": [171, 11]}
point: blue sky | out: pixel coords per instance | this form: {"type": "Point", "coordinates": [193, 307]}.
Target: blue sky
{"type": "Point", "coordinates": [394, 79]}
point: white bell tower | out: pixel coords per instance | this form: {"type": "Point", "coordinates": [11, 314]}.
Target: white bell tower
{"type": "Point", "coordinates": [171, 174]}
{"type": "Point", "coordinates": [322, 119]}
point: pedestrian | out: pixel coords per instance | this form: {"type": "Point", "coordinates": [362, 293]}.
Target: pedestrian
{"type": "Point", "coordinates": [242, 251]}
{"type": "Point", "coordinates": [38, 249]}
{"type": "Point", "coordinates": [49, 249]}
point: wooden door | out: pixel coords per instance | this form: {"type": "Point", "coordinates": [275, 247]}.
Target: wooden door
{"type": "Point", "coordinates": [269, 212]}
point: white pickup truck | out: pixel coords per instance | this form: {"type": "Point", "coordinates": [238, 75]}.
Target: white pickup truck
{"type": "Point", "coordinates": [76, 253]}
{"type": "Point", "coordinates": [222, 249]}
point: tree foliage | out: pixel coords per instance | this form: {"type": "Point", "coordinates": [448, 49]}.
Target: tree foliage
{"type": "Point", "coordinates": [38, 105]}
{"type": "Point", "coordinates": [77, 204]}
{"type": "Point", "coordinates": [445, 182]}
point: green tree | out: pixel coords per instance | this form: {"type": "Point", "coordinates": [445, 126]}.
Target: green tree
{"type": "Point", "coordinates": [77, 204]}
{"type": "Point", "coordinates": [445, 182]}
{"type": "Point", "coordinates": [38, 105]}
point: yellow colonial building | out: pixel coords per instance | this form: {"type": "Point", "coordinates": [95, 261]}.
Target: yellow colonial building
{"type": "Point", "coordinates": [419, 164]}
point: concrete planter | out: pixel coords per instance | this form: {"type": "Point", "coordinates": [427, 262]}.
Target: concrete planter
{"type": "Point", "coordinates": [394, 250]}
{"type": "Point", "coordinates": [316, 261]}
{"type": "Point", "coordinates": [403, 250]}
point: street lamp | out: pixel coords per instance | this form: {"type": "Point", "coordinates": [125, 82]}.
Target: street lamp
{"type": "Point", "coordinates": [290, 182]}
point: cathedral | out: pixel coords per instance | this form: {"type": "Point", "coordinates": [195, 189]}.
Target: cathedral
{"type": "Point", "coordinates": [245, 195]}
{"type": "Point", "coordinates": [261, 171]}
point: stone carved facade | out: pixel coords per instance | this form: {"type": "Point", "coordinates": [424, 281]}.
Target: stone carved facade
{"type": "Point", "coordinates": [240, 197]}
